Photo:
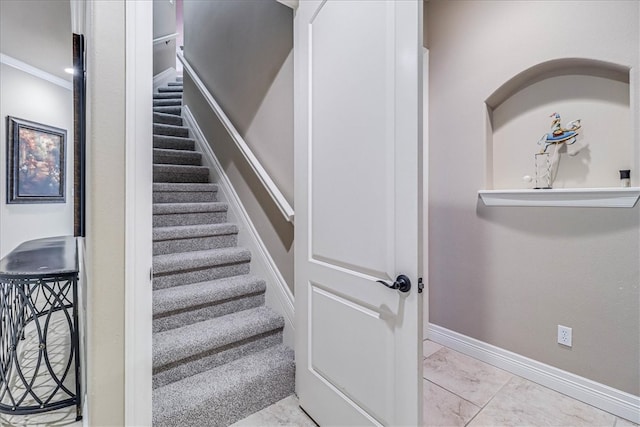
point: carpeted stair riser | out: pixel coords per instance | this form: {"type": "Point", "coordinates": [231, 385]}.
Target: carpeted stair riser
{"type": "Point", "coordinates": [170, 130]}
{"type": "Point", "coordinates": [167, 119]}
{"type": "Point", "coordinates": [191, 341]}
{"type": "Point", "coordinates": [184, 193]}
{"type": "Point", "coordinates": [176, 83]}
{"type": "Point", "coordinates": [195, 244]}
{"type": "Point", "coordinates": [228, 393]}
{"type": "Point", "coordinates": [184, 196]}
{"type": "Point", "coordinates": [205, 312]}
{"type": "Point", "coordinates": [204, 362]}
{"type": "Point", "coordinates": [199, 266]}
{"type": "Point", "coordinates": [185, 277]}
{"type": "Point", "coordinates": [180, 173]}
{"type": "Point", "coordinates": [161, 234]}
{"type": "Point", "coordinates": [173, 143]}
{"type": "Point", "coordinates": [183, 352]}
{"type": "Point", "coordinates": [180, 306]}
{"type": "Point", "coordinates": [167, 102]}
{"type": "Point", "coordinates": [170, 220]}
{"type": "Point", "coordinates": [175, 110]}
{"type": "Point", "coordinates": [171, 88]}
{"type": "Point", "coordinates": [176, 214]}
{"type": "Point", "coordinates": [176, 157]}
{"type": "Point", "coordinates": [168, 95]}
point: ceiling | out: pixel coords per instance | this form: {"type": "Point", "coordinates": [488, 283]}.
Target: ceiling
{"type": "Point", "coordinates": [38, 32]}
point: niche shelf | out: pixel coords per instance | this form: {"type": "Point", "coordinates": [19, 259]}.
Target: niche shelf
{"type": "Point", "coordinates": [599, 93]}
{"type": "Point", "coordinates": [564, 197]}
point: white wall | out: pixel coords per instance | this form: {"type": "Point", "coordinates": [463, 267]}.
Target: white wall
{"type": "Point", "coordinates": [31, 98]}
{"type": "Point", "coordinates": [45, 44]}
{"type": "Point", "coordinates": [509, 276]}
{"type": "Point", "coordinates": [105, 236]}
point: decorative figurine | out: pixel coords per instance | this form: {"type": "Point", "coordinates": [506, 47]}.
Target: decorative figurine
{"type": "Point", "coordinates": [557, 136]}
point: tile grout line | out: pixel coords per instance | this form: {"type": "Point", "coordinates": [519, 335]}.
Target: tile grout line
{"type": "Point", "coordinates": [490, 400]}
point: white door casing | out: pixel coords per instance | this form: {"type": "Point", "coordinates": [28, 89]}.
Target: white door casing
{"type": "Point", "coordinates": [358, 103]}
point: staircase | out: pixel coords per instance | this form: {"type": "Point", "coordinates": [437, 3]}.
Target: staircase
{"type": "Point", "coordinates": [217, 349]}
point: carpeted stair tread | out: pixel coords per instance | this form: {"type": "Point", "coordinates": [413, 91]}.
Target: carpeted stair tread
{"type": "Point", "coordinates": [167, 119]}
{"type": "Point", "coordinates": [176, 83]}
{"type": "Point", "coordinates": [189, 231]}
{"type": "Point", "coordinates": [197, 260]}
{"type": "Point", "coordinates": [187, 187]}
{"type": "Point", "coordinates": [184, 305]}
{"type": "Point", "coordinates": [228, 393]}
{"type": "Point", "coordinates": [177, 218]}
{"type": "Point", "coordinates": [167, 95]}
{"type": "Point", "coordinates": [176, 157]}
{"type": "Point", "coordinates": [173, 142]}
{"type": "Point", "coordinates": [180, 173]}
{"type": "Point", "coordinates": [175, 110]}
{"type": "Point", "coordinates": [189, 238]}
{"type": "Point", "coordinates": [180, 298]}
{"type": "Point", "coordinates": [182, 208]}
{"type": "Point", "coordinates": [168, 89]}
{"type": "Point", "coordinates": [203, 337]}
{"type": "Point", "coordinates": [170, 130]}
{"type": "Point", "coordinates": [167, 102]}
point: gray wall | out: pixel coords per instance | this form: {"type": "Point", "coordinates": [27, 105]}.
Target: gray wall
{"type": "Point", "coordinates": [164, 23]}
{"type": "Point", "coordinates": [242, 50]}
{"type": "Point", "coordinates": [509, 276]}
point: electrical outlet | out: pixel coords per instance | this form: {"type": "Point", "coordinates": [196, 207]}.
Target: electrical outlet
{"type": "Point", "coordinates": [564, 335]}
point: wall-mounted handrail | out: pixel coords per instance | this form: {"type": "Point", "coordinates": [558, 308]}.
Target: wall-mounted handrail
{"type": "Point", "coordinates": [271, 187]}
{"type": "Point", "coordinates": [165, 38]}
{"type": "Point", "coordinates": [293, 4]}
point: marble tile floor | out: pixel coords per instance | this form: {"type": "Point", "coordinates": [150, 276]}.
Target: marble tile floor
{"type": "Point", "coordinates": [462, 391]}
{"type": "Point", "coordinates": [61, 417]}
{"type": "Point", "coordinates": [58, 344]}
{"type": "Point", "coordinates": [458, 391]}
{"type": "Point", "coordinates": [286, 412]}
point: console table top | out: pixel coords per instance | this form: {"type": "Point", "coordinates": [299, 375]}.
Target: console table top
{"type": "Point", "coordinates": [49, 256]}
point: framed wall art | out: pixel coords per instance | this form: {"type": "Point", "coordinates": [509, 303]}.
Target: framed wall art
{"type": "Point", "coordinates": [35, 162]}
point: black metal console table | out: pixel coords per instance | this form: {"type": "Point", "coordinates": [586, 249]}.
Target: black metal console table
{"type": "Point", "coordinates": [39, 335]}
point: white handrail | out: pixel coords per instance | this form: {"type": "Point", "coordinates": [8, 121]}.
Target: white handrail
{"type": "Point", "coordinates": [271, 187]}
{"type": "Point", "coordinates": [165, 38]}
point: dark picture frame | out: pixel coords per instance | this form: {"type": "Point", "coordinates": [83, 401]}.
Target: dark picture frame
{"type": "Point", "coordinates": [36, 163]}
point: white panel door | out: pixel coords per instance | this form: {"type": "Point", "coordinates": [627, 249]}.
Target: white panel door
{"type": "Point", "coordinates": [358, 133]}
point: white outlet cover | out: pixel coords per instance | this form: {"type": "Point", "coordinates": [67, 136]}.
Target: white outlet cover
{"type": "Point", "coordinates": [565, 336]}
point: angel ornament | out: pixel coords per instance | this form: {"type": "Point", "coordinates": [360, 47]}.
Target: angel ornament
{"type": "Point", "coordinates": [559, 135]}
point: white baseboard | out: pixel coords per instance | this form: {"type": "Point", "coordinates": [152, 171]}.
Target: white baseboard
{"type": "Point", "coordinates": [608, 399]}
{"type": "Point", "coordinates": [278, 295]}
{"type": "Point", "coordinates": [166, 76]}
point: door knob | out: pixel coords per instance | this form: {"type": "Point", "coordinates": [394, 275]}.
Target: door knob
{"type": "Point", "coordinates": [402, 283]}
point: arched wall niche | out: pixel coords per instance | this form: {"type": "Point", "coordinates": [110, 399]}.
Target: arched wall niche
{"type": "Point", "coordinates": [517, 116]}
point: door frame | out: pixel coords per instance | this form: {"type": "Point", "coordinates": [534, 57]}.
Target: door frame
{"type": "Point", "coordinates": [138, 355]}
